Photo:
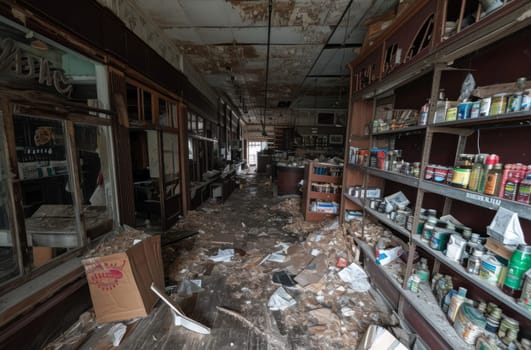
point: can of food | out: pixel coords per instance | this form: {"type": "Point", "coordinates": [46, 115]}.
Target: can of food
{"type": "Point", "coordinates": [484, 106]}
{"type": "Point", "coordinates": [526, 101]}
{"type": "Point", "coordinates": [490, 269]}
{"type": "Point", "coordinates": [440, 174]}
{"type": "Point", "coordinates": [439, 239]}
{"type": "Point", "coordinates": [451, 114]}
{"type": "Point", "coordinates": [463, 111]}
{"type": "Point", "coordinates": [498, 104]}
{"type": "Point", "coordinates": [514, 103]}
{"type": "Point", "coordinates": [430, 169]}
{"type": "Point", "coordinates": [461, 177]}
{"type": "Point", "coordinates": [469, 323]}
{"type": "Point", "coordinates": [474, 111]}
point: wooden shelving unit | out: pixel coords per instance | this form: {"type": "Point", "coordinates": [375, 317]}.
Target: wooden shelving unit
{"type": "Point", "coordinates": [312, 176]}
{"type": "Point", "coordinates": [377, 83]}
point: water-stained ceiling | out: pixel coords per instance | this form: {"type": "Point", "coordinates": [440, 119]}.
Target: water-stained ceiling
{"type": "Point", "coordinates": [310, 43]}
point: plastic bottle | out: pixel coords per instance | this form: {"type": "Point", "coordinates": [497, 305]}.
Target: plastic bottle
{"type": "Point", "coordinates": [489, 164]}
{"type": "Point", "coordinates": [494, 176]}
{"type": "Point", "coordinates": [519, 263]}
{"type": "Point", "coordinates": [524, 191]}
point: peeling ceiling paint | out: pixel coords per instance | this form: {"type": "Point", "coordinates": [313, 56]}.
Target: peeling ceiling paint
{"type": "Point", "coordinates": [312, 41]}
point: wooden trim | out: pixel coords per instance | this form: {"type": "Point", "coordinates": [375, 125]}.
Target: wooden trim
{"type": "Point", "coordinates": [74, 176]}
{"type": "Point", "coordinates": [24, 298]}
{"type": "Point", "coordinates": [17, 222]}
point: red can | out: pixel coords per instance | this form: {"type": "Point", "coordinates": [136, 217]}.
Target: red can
{"type": "Point", "coordinates": [440, 174]}
{"type": "Point", "coordinates": [429, 172]}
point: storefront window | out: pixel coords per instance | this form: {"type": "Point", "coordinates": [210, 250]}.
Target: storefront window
{"type": "Point", "coordinates": [171, 164]}
{"type": "Point", "coordinates": [132, 102]}
{"type": "Point", "coordinates": [9, 267]}
{"type": "Point", "coordinates": [47, 186]}
{"type": "Point", "coordinates": [148, 114]}
{"type": "Point", "coordinates": [93, 154]}
{"type": "Point", "coordinates": [163, 112]}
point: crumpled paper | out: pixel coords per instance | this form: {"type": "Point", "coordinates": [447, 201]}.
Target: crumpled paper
{"type": "Point", "coordinates": [280, 300]}
{"type": "Point", "coordinates": [356, 276]}
{"type": "Point", "coordinates": [224, 255]}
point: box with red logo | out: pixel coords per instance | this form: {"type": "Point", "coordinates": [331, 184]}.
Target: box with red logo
{"type": "Point", "coordinates": [120, 283]}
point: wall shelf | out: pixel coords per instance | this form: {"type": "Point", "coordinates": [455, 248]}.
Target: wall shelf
{"type": "Point", "coordinates": [478, 199]}
{"type": "Point", "coordinates": [394, 176]}
{"type": "Point", "coordinates": [505, 118]}
{"type": "Point", "coordinates": [490, 289]}
{"type": "Point", "coordinates": [401, 130]}
{"type": "Point", "coordinates": [424, 303]}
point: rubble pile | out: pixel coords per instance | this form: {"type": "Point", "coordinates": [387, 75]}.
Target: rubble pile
{"type": "Point", "coordinates": [118, 242]}
{"type": "Point", "coordinates": [370, 233]}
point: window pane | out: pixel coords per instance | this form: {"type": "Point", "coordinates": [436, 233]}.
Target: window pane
{"type": "Point", "coordinates": [173, 115]}
{"type": "Point", "coordinates": [171, 164]}
{"type": "Point", "coordinates": [8, 261]}
{"type": "Point", "coordinates": [132, 102]}
{"type": "Point", "coordinates": [148, 113]}
{"type": "Point", "coordinates": [163, 113]}
{"type": "Point", "coordinates": [51, 226]}
{"type": "Point", "coordinates": [96, 179]}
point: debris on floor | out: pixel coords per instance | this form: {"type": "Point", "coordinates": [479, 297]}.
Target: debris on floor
{"type": "Point", "coordinates": [276, 279]}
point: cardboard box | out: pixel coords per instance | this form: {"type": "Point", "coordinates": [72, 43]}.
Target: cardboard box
{"type": "Point", "coordinates": [41, 255]}
{"type": "Point", "coordinates": [120, 283]}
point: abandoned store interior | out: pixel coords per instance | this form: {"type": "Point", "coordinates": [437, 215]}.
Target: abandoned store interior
{"type": "Point", "coordinates": [265, 174]}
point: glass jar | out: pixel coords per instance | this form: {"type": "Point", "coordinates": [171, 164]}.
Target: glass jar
{"type": "Point", "coordinates": [474, 262]}
{"type": "Point", "coordinates": [415, 170]}
{"type": "Point", "coordinates": [428, 228]}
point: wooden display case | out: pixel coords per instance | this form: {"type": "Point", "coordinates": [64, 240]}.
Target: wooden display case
{"type": "Point", "coordinates": [322, 191]}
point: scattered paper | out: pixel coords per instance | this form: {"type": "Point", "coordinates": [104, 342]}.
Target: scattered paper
{"type": "Point", "coordinates": [316, 252]}
{"type": "Point", "coordinates": [356, 276]}
{"type": "Point", "coordinates": [117, 332]}
{"type": "Point", "coordinates": [347, 311]}
{"type": "Point", "coordinates": [223, 255]}
{"type": "Point", "coordinates": [284, 246]}
{"type": "Point", "coordinates": [187, 288]}
{"type": "Point", "coordinates": [277, 257]}
{"type": "Point", "coordinates": [280, 300]}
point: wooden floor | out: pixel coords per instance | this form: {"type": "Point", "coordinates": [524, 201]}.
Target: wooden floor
{"type": "Point", "coordinates": [233, 302]}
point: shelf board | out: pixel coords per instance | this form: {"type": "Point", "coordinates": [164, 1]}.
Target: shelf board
{"type": "Point", "coordinates": [478, 199]}
{"type": "Point", "coordinates": [316, 216]}
{"type": "Point", "coordinates": [356, 167]}
{"type": "Point", "coordinates": [324, 195]}
{"type": "Point", "coordinates": [424, 303]}
{"type": "Point", "coordinates": [455, 266]}
{"type": "Point", "coordinates": [394, 176]}
{"type": "Point", "coordinates": [326, 178]}
{"type": "Point", "coordinates": [384, 219]}
{"type": "Point", "coordinates": [353, 199]}
{"type": "Point", "coordinates": [401, 130]}
{"type": "Point", "coordinates": [505, 118]}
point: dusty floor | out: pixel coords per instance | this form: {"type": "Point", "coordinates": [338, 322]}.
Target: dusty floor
{"type": "Point", "coordinates": [233, 298]}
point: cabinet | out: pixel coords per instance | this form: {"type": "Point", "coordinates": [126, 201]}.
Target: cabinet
{"type": "Point", "coordinates": [493, 54]}
{"type": "Point", "coordinates": [322, 191]}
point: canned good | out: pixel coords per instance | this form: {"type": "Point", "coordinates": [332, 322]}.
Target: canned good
{"type": "Point", "coordinates": [461, 177]}
{"type": "Point", "coordinates": [430, 169]}
{"type": "Point", "coordinates": [498, 104]}
{"type": "Point", "coordinates": [484, 106]}
{"type": "Point", "coordinates": [514, 103]}
{"type": "Point", "coordinates": [490, 269]}
{"type": "Point", "coordinates": [469, 323]}
{"type": "Point", "coordinates": [474, 262]}
{"type": "Point", "coordinates": [439, 239]}
{"type": "Point", "coordinates": [440, 174]}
